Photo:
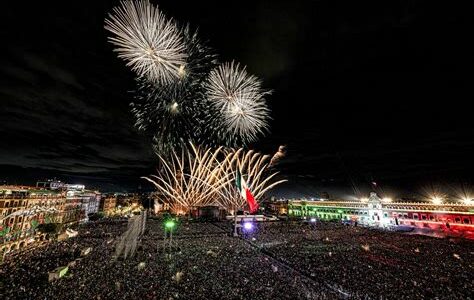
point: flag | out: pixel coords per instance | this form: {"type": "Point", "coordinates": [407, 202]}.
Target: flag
{"type": "Point", "coordinates": [245, 192]}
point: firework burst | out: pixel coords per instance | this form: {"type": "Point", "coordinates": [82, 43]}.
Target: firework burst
{"type": "Point", "coordinates": [171, 115]}
{"type": "Point", "coordinates": [150, 43]}
{"type": "Point", "coordinates": [200, 176]}
{"type": "Point", "coordinates": [201, 59]}
{"type": "Point", "coordinates": [190, 179]}
{"type": "Point", "coordinates": [239, 98]}
{"type": "Point", "coordinates": [254, 167]}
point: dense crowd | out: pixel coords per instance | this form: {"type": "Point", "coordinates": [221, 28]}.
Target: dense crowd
{"type": "Point", "coordinates": [281, 260]}
{"type": "Point", "coordinates": [204, 263]}
{"type": "Point", "coordinates": [370, 263]}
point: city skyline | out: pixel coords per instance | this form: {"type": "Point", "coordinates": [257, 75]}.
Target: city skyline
{"type": "Point", "coordinates": [348, 106]}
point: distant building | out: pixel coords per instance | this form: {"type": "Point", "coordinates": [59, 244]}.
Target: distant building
{"type": "Point", "coordinates": [127, 199]}
{"type": "Point", "coordinates": [374, 211]}
{"type": "Point", "coordinates": [23, 208]}
{"type": "Point", "coordinates": [108, 204]}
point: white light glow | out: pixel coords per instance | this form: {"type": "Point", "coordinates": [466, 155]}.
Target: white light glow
{"type": "Point", "coordinates": [436, 200]}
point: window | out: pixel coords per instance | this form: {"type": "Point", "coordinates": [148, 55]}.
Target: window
{"type": "Point", "coordinates": [465, 221]}
{"type": "Point", "coordinates": [423, 217]}
{"type": "Point", "coordinates": [415, 216]}
{"type": "Point", "coordinates": [457, 220]}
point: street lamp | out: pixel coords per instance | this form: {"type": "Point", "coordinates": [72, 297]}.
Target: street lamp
{"type": "Point", "coordinates": [169, 226]}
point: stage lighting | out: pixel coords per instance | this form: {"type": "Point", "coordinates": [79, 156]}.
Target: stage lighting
{"type": "Point", "coordinates": [248, 226]}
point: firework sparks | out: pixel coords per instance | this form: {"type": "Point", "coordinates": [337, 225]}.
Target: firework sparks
{"type": "Point", "coordinates": [150, 43]}
{"type": "Point", "coordinates": [199, 177]}
{"type": "Point", "coordinates": [201, 59]}
{"type": "Point", "coordinates": [190, 179]}
{"type": "Point", "coordinates": [252, 165]}
{"type": "Point", "coordinates": [239, 98]}
{"type": "Point", "coordinates": [171, 115]}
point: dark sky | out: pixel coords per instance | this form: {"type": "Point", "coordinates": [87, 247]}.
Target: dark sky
{"type": "Point", "coordinates": [372, 92]}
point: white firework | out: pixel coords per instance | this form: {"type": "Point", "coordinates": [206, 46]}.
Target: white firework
{"type": "Point", "coordinates": [200, 176]}
{"type": "Point", "coordinates": [150, 43]}
{"type": "Point", "coordinates": [239, 98]}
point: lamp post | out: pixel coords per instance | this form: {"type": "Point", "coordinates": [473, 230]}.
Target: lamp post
{"type": "Point", "coordinates": [169, 226]}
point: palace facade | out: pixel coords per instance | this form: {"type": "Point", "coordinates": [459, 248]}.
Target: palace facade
{"type": "Point", "coordinates": [448, 217]}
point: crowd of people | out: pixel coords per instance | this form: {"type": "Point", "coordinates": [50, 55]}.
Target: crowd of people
{"type": "Point", "coordinates": [278, 260]}
{"type": "Point", "coordinates": [374, 264]}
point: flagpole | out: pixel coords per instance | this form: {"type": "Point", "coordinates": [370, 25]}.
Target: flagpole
{"type": "Point", "coordinates": [235, 222]}
{"type": "Point", "coordinates": [235, 207]}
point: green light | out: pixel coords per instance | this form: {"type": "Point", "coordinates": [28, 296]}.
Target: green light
{"type": "Point", "coordinates": [169, 224]}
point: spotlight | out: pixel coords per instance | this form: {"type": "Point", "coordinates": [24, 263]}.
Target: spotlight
{"type": "Point", "coordinates": [313, 220]}
{"type": "Point", "coordinates": [467, 200]}
{"type": "Point", "coordinates": [248, 226]}
{"type": "Point", "coordinates": [436, 200]}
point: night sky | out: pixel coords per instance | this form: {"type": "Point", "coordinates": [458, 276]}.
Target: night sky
{"type": "Point", "coordinates": [361, 92]}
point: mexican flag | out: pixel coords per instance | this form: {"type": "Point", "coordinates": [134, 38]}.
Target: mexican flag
{"type": "Point", "coordinates": [245, 192]}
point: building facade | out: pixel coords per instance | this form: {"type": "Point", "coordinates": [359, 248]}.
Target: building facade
{"type": "Point", "coordinates": [24, 208]}
{"type": "Point", "coordinates": [454, 217]}
{"type": "Point", "coordinates": [108, 204]}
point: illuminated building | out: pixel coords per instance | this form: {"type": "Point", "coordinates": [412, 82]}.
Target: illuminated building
{"type": "Point", "coordinates": [18, 222]}
{"type": "Point", "coordinates": [23, 208]}
{"type": "Point", "coordinates": [127, 199]}
{"type": "Point", "coordinates": [108, 204]}
{"type": "Point", "coordinates": [89, 202]}
{"type": "Point", "coordinates": [374, 211]}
